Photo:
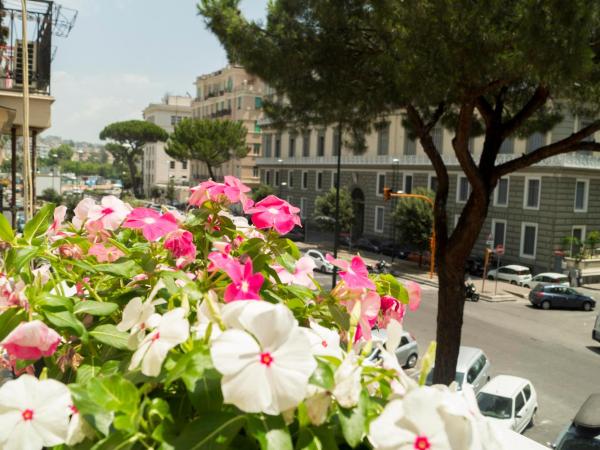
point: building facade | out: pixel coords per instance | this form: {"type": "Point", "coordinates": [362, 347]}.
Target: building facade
{"type": "Point", "coordinates": [231, 93]}
{"type": "Point", "coordinates": [158, 167]}
{"type": "Point", "coordinates": [530, 213]}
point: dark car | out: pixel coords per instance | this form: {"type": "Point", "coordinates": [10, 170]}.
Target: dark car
{"type": "Point", "coordinates": [584, 432]}
{"type": "Point", "coordinates": [297, 234]}
{"type": "Point", "coordinates": [558, 296]}
{"type": "Point", "coordinates": [345, 240]}
{"type": "Point", "coordinates": [367, 245]}
{"type": "Point", "coordinates": [391, 248]}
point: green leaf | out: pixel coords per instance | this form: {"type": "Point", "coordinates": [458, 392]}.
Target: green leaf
{"type": "Point", "coordinates": [18, 257]}
{"type": "Point", "coordinates": [39, 223]}
{"type": "Point", "coordinates": [95, 308]}
{"type": "Point", "coordinates": [115, 441]}
{"type": "Point", "coordinates": [340, 316]}
{"type": "Point", "coordinates": [271, 432]}
{"type": "Point", "coordinates": [211, 432]}
{"type": "Point", "coordinates": [108, 334]}
{"type": "Point", "coordinates": [66, 319]}
{"type": "Point", "coordinates": [190, 367]}
{"type": "Point", "coordinates": [55, 301]}
{"type": "Point", "coordinates": [353, 421]}
{"type": "Point", "coordinates": [86, 372]}
{"type": "Point", "coordinates": [205, 393]}
{"type": "Point", "coordinates": [9, 319]}
{"type": "Point", "coordinates": [114, 393]}
{"type": "Point", "coordinates": [308, 440]}
{"type": "Point", "coordinates": [323, 376]}
{"type": "Point", "coordinates": [125, 269]}
{"type": "Point", "coordinates": [94, 414]}
{"type": "Point", "coordinates": [427, 362]}
{"type": "Point", "coordinates": [287, 262]}
{"type": "Point", "coordinates": [6, 232]}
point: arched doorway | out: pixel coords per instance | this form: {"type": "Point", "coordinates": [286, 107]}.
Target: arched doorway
{"type": "Point", "coordinates": [358, 205]}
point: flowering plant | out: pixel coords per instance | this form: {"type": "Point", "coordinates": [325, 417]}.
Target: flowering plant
{"type": "Point", "coordinates": [132, 328]}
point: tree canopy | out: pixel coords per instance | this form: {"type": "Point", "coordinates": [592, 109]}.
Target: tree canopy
{"type": "Point", "coordinates": [496, 68]}
{"type": "Point", "coordinates": [414, 219]}
{"type": "Point", "coordinates": [324, 213]}
{"type": "Point", "coordinates": [213, 142]}
{"type": "Point", "coordinates": [129, 138]}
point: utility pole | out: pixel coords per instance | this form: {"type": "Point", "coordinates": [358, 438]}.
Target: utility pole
{"type": "Point", "coordinates": [336, 238]}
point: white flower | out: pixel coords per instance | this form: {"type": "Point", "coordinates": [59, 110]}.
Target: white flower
{"type": "Point", "coordinates": [323, 341]}
{"type": "Point", "coordinates": [266, 362]}
{"type": "Point", "coordinates": [171, 330]}
{"type": "Point", "coordinates": [79, 429]}
{"type": "Point", "coordinates": [205, 318]}
{"type": "Point", "coordinates": [347, 382]}
{"type": "Point", "coordinates": [137, 317]}
{"type": "Point", "coordinates": [317, 405]}
{"type": "Point", "coordinates": [33, 413]}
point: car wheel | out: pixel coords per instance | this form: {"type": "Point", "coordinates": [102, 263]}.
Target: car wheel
{"type": "Point", "coordinates": [526, 286]}
{"type": "Point", "coordinates": [513, 282]}
{"type": "Point", "coordinates": [587, 306]}
{"type": "Point", "coordinates": [490, 277]}
{"type": "Point", "coordinates": [411, 361]}
{"type": "Point", "coordinates": [545, 305]}
{"type": "Point", "coordinates": [532, 421]}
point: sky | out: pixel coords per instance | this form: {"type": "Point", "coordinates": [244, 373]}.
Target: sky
{"type": "Point", "coordinates": [122, 55]}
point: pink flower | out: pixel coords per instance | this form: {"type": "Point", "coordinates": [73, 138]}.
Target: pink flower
{"type": "Point", "coordinates": [273, 212]}
{"type": "Point", "coordinates": [391, 309]}
{"type": "Point", "coordinates": [31, 340]}
{"type": "Point", "coordinates": [355, 274]}
{"type": "Point", "coordinates": [370, 303]}
{"type": "Point", "coordinates": [205, 191]}
{"type": "Point", "coordinates": [105, 254]}
{"type": "Point", "coordinates": [96, 231]}
{"type": "Point", "coordinates": [219, 261]}
{"type": "Point", "coordinates": [232, 191]}
{"type": "Point", "coordinates": [414, 295]}
{"type": "Point", "coordinates": [81, 211]}
{"type": "Point", "coordinates": [59, 217]}
{"type": "Point", "coordinates": [72, 251]}
{"type": "Point", "coordinates": [305, 267]}
{"type": "Point", "coordinates": [236, 191]}
{"type": "Point", "coordinates": [111, 212]}
{"type": "Point", "coordinates": [181, 244]}
{"type": "Point", "coordinates": [12, 294]}
{"type": "Point", "coordinates": [245, 284]}
{"type": "Point", "coordinates": [153, 224]}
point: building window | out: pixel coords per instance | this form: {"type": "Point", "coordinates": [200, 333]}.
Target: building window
{"type": "Point", "coordinates": [290, 178]}
{"type": "Point", "coordinates": [383, 139]}
{"type": "Point", "coordinates": [255, 172]}
{"type": "Point", "coordinates": [171, 164]}
{"type": "Point", "coordinates": [501, 192]}
{"type": "Point", "coordinates": [257, 102]}
{"type": "Point", "coordinates": [379, 218]}
{"type": "Point", "coordinates": [581, 195]}
{"type": "Point", "coordinates": [507, 147]}
{"type": "Point", "coordinates": [268, 178]}
{"type": "Point", "coordinates": [302, 208]}
{"type": "Point", "coordinates": [437, 135]}
{"type": "Point", "coordinates": [319, 181]}
{"type": "Point", "coordinates": [268, 143]}
{"type": "Point", "coordinates": [256, 149]}
{"type": "Point", "coordinates": [578, 234]}
{"type": "Point", "coordinates": [257, 127]}
{"type": "Point", "coordinates": [433, 182]}
{"type": "Point", "coordinates": [175, 120]}
{"type": "Point", "coordinates": [334, 180]}
{"type": "Point", "coordinates": [335, 142]}
{"type": "Point", "coordinates": [292, 149]}
{"type": "Point", "coordinates": [535, 141]}
{"type": "Point", "coordinates": [304, 180]}
{"type": "Point", "coordinates": [410, 145]}
{"type": "Point", "coordinates": [528, 239]}
{"type": "Point", "coordinates": [380, 184]}
{"type": "Point", "coordinates": [277, 178]}
{"type": "Point", "coordinates": [306, 144]}
{"type": "Point", "coordinates": [184, 165]}
{"type": "Point", "coordinates": [463, 189]}
{"type": "Point", "coordinates": [499, 232]}
{"type": "Point", "coordinates": [408, 183]}
{"type": "Point", "coordinates": [533, 187]}
{"type": "Point", "coordinates": [239, 103]}
{"type": "Point", "coordinates": [278, 146]}
{"type": "Point", "coordinates": [321, 143]}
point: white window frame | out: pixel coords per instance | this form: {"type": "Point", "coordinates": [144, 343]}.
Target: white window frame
{"type": "Point", "coordinates": [494, 222]}
{"type": "Point", "coordinates": [412, 182]}
{"type": "Point", "coordinates": [303, 208]}
{"type": "Point", "coordinates": [429, 178]}
{"type": "Point", "coordinates": [523, 225]}
{"type": "Point", "coordinates": [586, 195]}
{"type": "Point", "coordinates": [317, 188]}
{"type": "Point", "coordinates": [377, 193]}
{"type": "Point", "coordinates": [458, 178]}
{"type": "Point", "coordinates": [379, 230]}
{"type": "Point", "coordinates": [497, 191]}
{"type": "Point", "coordinates": [526, 193]}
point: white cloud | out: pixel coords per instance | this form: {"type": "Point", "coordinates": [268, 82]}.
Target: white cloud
{"type": "Point", "coordinates": [85, 104]}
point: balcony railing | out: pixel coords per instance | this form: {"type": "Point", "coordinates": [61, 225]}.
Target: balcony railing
{"type": "Point", "coordinates": [221, 113]}
{"type": "Point", "coordinates": [575, 161]}
{"type": "Point", "coordinates": [39, 42]}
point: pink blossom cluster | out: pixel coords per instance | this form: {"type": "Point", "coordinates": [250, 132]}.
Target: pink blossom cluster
{"type": "Point", "coordinates": [230, 192]}
{"type": "Point", "coordinates": [12, 293]}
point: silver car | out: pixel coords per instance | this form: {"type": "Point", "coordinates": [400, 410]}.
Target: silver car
{"type": "Point", "coordinates": [472, 367]}
{"type": "Point", "coordinates": [407, 352]}
{"type": "Point", "coordinates": [321, 264]}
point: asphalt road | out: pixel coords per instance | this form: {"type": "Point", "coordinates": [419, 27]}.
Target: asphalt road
{"type": "Point", "coordinates": [553, 349]}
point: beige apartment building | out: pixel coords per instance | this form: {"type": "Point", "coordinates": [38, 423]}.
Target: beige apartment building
{"type": "Point", "coordinates": [231, 93]}
{"type": "Point", "coordinates": [158, 167]}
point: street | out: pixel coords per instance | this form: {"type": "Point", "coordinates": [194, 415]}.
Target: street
{"type": "Point", "coordinates": [553, 349]}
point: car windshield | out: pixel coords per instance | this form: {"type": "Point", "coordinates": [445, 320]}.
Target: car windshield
{"type": "Point", "coordinates": [495, 406]}
{"type": "Point", "coordinates": [458, 378]}
{"type": "Point", "coordinates": [523, 272]}
{"type": "Point", "coordinates": [573, 441]}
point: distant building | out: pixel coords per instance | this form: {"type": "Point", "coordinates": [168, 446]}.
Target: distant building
{"type": "Point", "coordinates": [158, 167]}
{"type": "Point", "coordinates": [231, 93]}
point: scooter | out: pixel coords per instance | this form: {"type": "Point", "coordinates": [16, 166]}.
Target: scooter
{"type": "Point", "coordinates": [471, 293]}
{"type": "Point", "coordinates": [380, 267]}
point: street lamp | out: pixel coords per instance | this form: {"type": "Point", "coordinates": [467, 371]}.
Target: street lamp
{"type": "Point", "coordinates": [387, 194]}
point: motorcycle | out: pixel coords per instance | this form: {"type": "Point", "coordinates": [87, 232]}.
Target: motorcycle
{"type": "Point", "coordinates": [471, 293]}
{"type": "Point", "coordinates": [380, 267]}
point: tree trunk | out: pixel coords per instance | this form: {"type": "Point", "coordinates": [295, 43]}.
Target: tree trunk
{"type": "Point", "coordinates": [210, 172]}
{"type": "Point", "coordinates": [135, 182]}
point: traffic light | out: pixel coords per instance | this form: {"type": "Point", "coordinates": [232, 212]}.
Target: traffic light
{"type": "Point", "coordinates": [387, 193]}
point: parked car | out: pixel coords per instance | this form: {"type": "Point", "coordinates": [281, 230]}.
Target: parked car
{"type": "Point", "coordinates": [366, 244]}
{"type": "Point", "coordinates": [474, 266]}
{"type": "Point", "coordinates": [548, 278]}
{"type": "Point", "coordinates": [513, 273]}
{"type": "Point", "coordinates": [584, 432]}
{"type": "Point", "coordinates": [321, 264]}
{"type": "Point", "coordinates": [407, 352]}
{"type": "Point", "coordinates": [596, 330]}
{"type": "Point", "coordinates": [345, 240]}
{"type": "Point", "coordinates": [391, 248]}
{"type": "Point", "coordinates": [297, 234]}
{"type": "Point", "coordinates": [558, 296]}
{"type": "Point", "coordinates": [509, 401]}
{"type": "Point", "coordinates": [472, 367]}
{"type": "Point", "coordinates": [418, 256]}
